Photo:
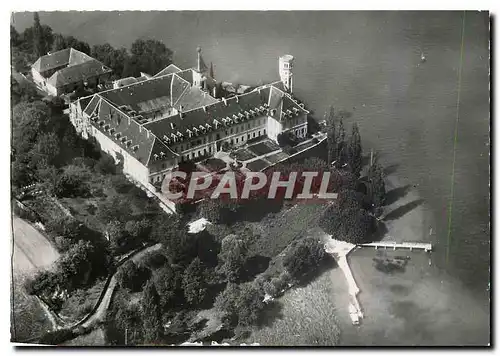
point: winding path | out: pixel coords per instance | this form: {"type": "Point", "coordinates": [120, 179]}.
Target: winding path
{"type": "Point", "coordinates": [98, 313]}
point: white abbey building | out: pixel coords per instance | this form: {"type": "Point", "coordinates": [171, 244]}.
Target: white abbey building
{"type": "Point", "coordinates": [156, 122]}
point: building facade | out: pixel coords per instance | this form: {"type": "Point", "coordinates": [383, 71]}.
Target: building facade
{"type": "Point", "coordinates": [68, 70]}
{"type": "Point", "coordinates": [154, 124]}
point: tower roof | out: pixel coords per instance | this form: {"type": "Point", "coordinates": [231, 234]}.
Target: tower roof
{"type": "Point", "coordinates": [201, 67]}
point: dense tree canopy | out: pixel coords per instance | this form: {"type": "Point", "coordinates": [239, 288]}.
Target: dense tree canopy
{"type": "Point", "coordinates": [234, 252]}
{"type": "Point", "coordinates": [151, 312]}
{"type": "Point", "coordinates": [377, 184]}
{"type": "Point", "coordinates": [355, 151]}
{"type": "Point", "coordinates": [132, 277]}
{"type": "Point", "coordinates": [346, 220]}
{"type": "Point", "coordinates": [303, 257]}
{"type": "Point", "coordinates": [148, 56]}
{"type": "Point", "coordinates": [194, 282]}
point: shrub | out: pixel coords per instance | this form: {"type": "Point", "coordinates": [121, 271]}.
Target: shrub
{"type": "Point", "coordinates": [106, 165]}
{"type": "Point", "coordinates": [277, 285]}
{"type": "Point", "coordinates": [132, 277]}
{"type": "Point", "coordinates": [154, 260]}
{"type": "Point", "coordinates": [303, 257]}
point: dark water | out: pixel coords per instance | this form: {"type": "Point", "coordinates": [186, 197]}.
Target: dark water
{"type": "Point", "coordinates": [367, 63]}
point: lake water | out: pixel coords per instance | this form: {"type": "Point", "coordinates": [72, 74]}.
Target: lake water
{"type": "Point", "coordinates": [367, 63]}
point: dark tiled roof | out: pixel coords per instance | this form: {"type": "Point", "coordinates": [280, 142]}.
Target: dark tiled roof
{"type": "Point", "coordinates": [140, 92]}
{"type": "Point", "coordinates": [218, 110]}
{"type": "Point", "coordinates": [65, 57]}
{"type": "Point", "coordinates": [136, 140]}
{"type": "Point", "coordinates": [179, 86]}
{"type": "Point", "coordinates": [53, 60]}
{"type": "Point", "coordinates": [85, 101]}
{"type": "Point", "coordinates": [76, 73]}
{"type": "Point", "coordinates": [194, 98]}
{"type": "Point", "coordinates": [89, 109]}
{"type": "Point", "coordinates": [186, 75]}
{"type": "Point", "coordinates": [171, 68]}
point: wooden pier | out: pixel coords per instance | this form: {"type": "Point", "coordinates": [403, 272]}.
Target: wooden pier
{"type": "Point", "coordinates": [427, 247]}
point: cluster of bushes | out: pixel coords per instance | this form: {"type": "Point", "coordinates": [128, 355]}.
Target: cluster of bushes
{"type": "Point", "coordinates": [347, 220]}
{"type": "Point", "coordinates": [79, 267]}
{"type": "Point", "coordinates": [226, 210]}
{"type": "Point", "coordinates": [179, 277]}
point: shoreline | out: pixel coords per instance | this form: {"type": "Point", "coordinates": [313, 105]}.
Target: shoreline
{"type": "Point", "coordinates": [419, 305]}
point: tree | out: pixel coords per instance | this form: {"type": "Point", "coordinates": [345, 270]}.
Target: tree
{"type": "Point", "coordinates": [240, 304]}
{"type": "Point", "coordinates": [226, 304]}
{"type": "Point", "coordinates": [117, 236]}
{"type": "Point", "coordinates": [341, 145]}
{"type": "Point", "coordinates": [39, 43]}
{"type": "Point", "coordinates": [128, 319]}
{"type": "Point", "coordinates": [81, 264]}
{"type": "Point", "coordinates": [65, 226]}
{"type": "Point", "coordinates": [114, 208]}
{"type": "Point", "coordinates": [105, 165]}
{"type": "Point", "coordinates": [377, 184]}
{"type": "Point", "coordinates": [331, 139]}
{"type": "Point", "coordinates": [58, 43]}
{"type": "Point", "coordinates": [355, 151]}
{"type": "Point", "coordinates": [287, 138]}
{"type": "Point", "coordinates": [70, 184]}
{"type": "Point", "coordinates": [138, 229]}
{"type": "Point", "coordinates": [148, 56]}
{"type": "Point", "coordinates": [15, 38]}
{"type": "Point", "coordinates": [132, 277]}
{"type": "Point", "coordinates": [219, 211]}
{"type": "Point", "coordinates": [48, 147]}
{"type": "Point", "coordinates": [111, 57]}
{"type": "Point", "coordinates": [249, 305]}
{"type": "Point", "coordinates": [152, 322]}
{"type": "Point", "coordinates": [234, 252]}
{"type": "Point", "coordinates": [168, 283]}
{"type": "Point", "coordinates": [194, 282]}
{"type": "Point", "coordinates": [346, 220]}
{"type": "Point", "coordinates": [303, 257]}
{"type": "Point", "coordinates": [77, 44]}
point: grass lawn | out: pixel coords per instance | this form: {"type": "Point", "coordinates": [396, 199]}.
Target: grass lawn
{"type": "Point", "coordinates": [277, 231]}
{"type": "Point", "coordinates": [214, 164]}
{"type": "Point", "coordinates": [277, 157]}
{"type": "Point", "coordinates": [263, 148]}
{"type": "Point", "coordinates": [303, 316]}
{"type": "Point", "coordinates": [257, 165]}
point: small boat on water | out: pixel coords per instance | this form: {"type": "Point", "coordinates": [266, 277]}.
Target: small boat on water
{"type": "Point", "coordinates": [423, 59]}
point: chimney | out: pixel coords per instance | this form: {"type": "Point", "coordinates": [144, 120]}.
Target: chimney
{"type": "Point", "coordinates": [205, 109]}
{"type": "Point", "coordinates": [237, 99]}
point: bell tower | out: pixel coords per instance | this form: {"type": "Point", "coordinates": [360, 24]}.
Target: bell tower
{"type": "Point", "coordinates": [286, 71]}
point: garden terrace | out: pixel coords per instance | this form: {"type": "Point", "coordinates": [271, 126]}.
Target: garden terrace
{"type": "Point", "coordinates": [263, 148]}
{"type": "Point", "coordinates": [257, 165]}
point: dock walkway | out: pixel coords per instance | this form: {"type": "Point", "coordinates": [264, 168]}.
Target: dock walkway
{"type": "Point", "coordinates": [426, 246]}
